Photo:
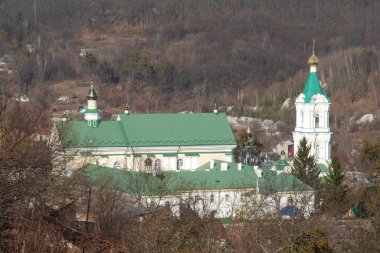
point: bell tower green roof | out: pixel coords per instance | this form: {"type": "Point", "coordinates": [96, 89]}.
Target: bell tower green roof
{"type": "Point", "coordinates": [313, 87]}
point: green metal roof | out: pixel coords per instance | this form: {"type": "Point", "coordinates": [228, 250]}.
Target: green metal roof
{"type": "Point", "coordinates": [92, 111]}
{"type": "Point", "coordinates": [281, 164]}
{"type": "Point", "coordinates": [201, 179]}
{"type": "Point", "coordinates": [148, 130]}
{"type": "Point", "coordinates": [107, 134]}
{"type": "Point", "coordinates": [322, 168]}
{"type": "Point", "coordinates": [177, 129]}
{"type": "Point", "coordinates": [226, 220]}
{"type": "Point", "coordinates": [312, 87]}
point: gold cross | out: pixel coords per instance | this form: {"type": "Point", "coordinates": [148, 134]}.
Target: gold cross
{"type": "Point", "coordinates": [313, 45]}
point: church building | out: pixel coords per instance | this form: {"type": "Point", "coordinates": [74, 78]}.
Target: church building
{"type": "Point", "coordinates": [149, 142]}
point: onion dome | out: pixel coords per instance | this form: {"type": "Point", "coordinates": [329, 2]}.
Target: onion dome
{"type": "Point", "coordinates": [91, 93]}
{"type": "Point", "coordinates": [313, 60]}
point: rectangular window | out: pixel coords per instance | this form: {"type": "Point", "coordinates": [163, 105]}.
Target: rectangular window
{"type": "Point", "coordinates": [211, 198]}
{"type": "Point", "coordinates": [317, 121]}
{"type": "Point", "coordinates": [180, 164]}
{"type": "Point", "coordinates": [227, 197]}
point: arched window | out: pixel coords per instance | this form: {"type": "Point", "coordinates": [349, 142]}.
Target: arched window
{"type": "Point", "coordinates": [117, 165]}
{"type": "Point", "coordinates": [317, 121]}
{"type": "Point", "coordinates": [179, 164]}
{"type": "Point", "coordinates": [148, 164]}
{"type": "Point", "coordinates": [157, 164]}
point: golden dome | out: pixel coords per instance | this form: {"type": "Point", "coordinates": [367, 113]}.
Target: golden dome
{"type": "Point", "coordinates": [313, 60]}
{"type": "Point", "coordinates": [91, 93]}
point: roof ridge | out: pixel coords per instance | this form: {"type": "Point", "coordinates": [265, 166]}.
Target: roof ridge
{"type": "Point", "coordinates": [123, 132]}
{"type": "Point", "coordinates": [173, 113]}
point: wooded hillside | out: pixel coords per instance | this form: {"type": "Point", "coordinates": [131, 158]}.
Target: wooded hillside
{"type": "Point", "coordinates": [184, 45]}
{"type": "Point", "coordinates": [185, 55]}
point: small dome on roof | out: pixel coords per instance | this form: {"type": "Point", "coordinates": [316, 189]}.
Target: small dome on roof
{"type": "Point", "coordinates": [91, 93]}
{"type": "Point", "coordinates": [282, 164]}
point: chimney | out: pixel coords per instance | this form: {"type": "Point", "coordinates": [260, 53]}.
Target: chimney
{"type": "Point", "coordinates": [215, 109]}
{"type": "Point", "coordinates": [126, 109]}
{"type": "Point", "coordinates": [239, 166]}
{"type": "Point", "coordinates": [223, 166]}
{"type": "Point", "coordinates": [259, 172]}
{"type": "Point", "coordinates": [212, 164]}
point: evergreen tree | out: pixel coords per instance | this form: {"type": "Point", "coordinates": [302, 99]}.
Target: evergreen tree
{"type": "Point", "coordinates": [248, 149]}
{"type": "Point", "coordinates": [335, 175]}
{"type": "Point", "coordinates": [336, 189]}
{"type": "Point", "coordinates": [305, 166]}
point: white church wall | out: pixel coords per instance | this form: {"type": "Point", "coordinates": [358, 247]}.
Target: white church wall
{"type": "Point", "coordinates": [226, 203]}
{"type": "Point", "coordinates": [207, 157]}
{"type": "Point", "coordinates": [172, 163]}
{"type": "Point", "coordinates": [128, 156]}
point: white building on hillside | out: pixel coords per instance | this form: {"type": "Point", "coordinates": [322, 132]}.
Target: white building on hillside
{"type": "Point", "coordinates": [313, 106]}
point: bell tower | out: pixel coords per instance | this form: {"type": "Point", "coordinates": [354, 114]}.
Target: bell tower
{"type": "Point", "coordinates": [312, 119]}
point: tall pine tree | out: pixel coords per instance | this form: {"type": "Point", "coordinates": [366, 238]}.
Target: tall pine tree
{"type": "Point", "coordinates": [305, 166]}
{"type": "Point", "coordinates": [336, 189]}
{"type": "Point", "coordinates": [335, 175]}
